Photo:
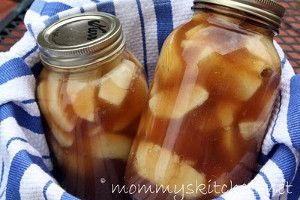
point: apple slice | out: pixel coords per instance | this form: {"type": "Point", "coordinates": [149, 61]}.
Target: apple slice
{"type": "Point", "coordinates": [73, 87]}
{"type": "Point", "coordinates": [111, 146]}
{"type": "Point", "coordinates": [172, 104]}
{"type": "Point", "coordinates": [229, 143]}
{"type": "Point", "coordinates": [55, 106]}
{"type": "Point", "coordinates": [164, 168]}
{"type": "Point", "coordinates": [248, 129]}
{"type": "Point", "coordinates": [245, 83]}
{"type": "Point", "coordinates": [192, 54]}
{"type": "Point", "coordinates": [244, 59]}
{"type": "Point", "coordinates": [236, 81]}
{"type": "Point", "coordinates": [111, 93]}
{"type": "Point", "coordinates": [248, 86]}
{"type": "Point", "coordinates": [123, 117]}
{"type": "Point", "coordinates": [225, 113]}
{"type": "Point", "coordinates": [170, 66]}
{"type": "Point", "coordinates": [64, 139]}
{"type": "Point", "coordinates": [188, 177]}
{"type": "Point", "coordinates": [123, 74]}
{"type": "Point", "coordinates": [81, 90]}
{"type": "Point", "coordinates": [84, 104]}
{"type": "Point", "coordinates": [262, 47]}
{"type": "Point", "coordinates": [192, 32]}
{"type": "Point", "coordinates": [115, 84]}
{"type": "Point", "coordinates": [42, 98]}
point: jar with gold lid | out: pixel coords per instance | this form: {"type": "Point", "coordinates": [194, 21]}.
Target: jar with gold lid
{"type": "Point", "coordinates": [209, 103]}
{"type": "Point", "coordinates": [91, 93]}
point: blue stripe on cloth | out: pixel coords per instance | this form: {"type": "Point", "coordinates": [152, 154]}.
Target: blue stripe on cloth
{"type": "Point", "coordinates": [25, 120]}
{"type": "Point", "coordinates": [262, 159]}
{"type": "Point", "coordinates": [49, 9]}
{"type": "Point", "coordinates": [2, 193]}
{"type": "Point", "coordinates": [20, 163]}
{"type": "Point", "coordinates": [293, 116]}
{"type": "Point", "coordinates": [276, 118]}
{"type": "Point", "coordinates": [284, 60]}
{"type": "Point", "coordinates": [2, 173]}
{"type": "Point", "coordinates": [14, 139]}
{"type": "Point", "coordinates": [30, 101]}
{"type": "Point", "coordinates": [67, 196]}
{"type": "Point", "coordinates": [164, 18]}
{"type": "Point", "coordinates": [256, 195]}
{"type": "Point", "coordinates": [267, 181]}
{"type": "Point", "coordinates": [51, 20]}
{"type": "Point", "coordinates": [81, 9]}
{"type": "Point", "coordinates": [36, 69]}
{"type": "Point", "coordinates": [286, 161]}
{"type": "Point", "coordinates": [105, 6]}
{"type": "Point", "coordinates": [46, 157]}
{"type": "Point", "coordinates": [143, 34]}
{"type": "Point", "coordinates": [29, 27]}
{"type": "Point", "coordinates": [35, 48]}
{"type": "Point", "coordinates": [52, 8]}
{"type": "Point", "coordinates": [294, 189]}
{"type": "Point", "coordinates": [12, 69]}
{"type": "Point", "coordinates": [46, 188]}
{"type": "Point", "coordinates": [37, 6]}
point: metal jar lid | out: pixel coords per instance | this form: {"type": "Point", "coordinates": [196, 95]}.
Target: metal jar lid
{"type": "Point", "coordinates": [80, 40]}
{"type": "Point", "coordinates": [267, 10]}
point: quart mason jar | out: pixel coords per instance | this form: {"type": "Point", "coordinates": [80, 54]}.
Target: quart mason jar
{"type": "Point", "coordinates": [91, 93]}
{"type": "Point", "coordinates": [209, 104]}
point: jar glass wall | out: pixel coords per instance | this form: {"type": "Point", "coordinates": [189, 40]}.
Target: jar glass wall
{"type": "Point", "coordinates": [208, 108]}
{"type": "Point", "coordinates": [91, 111]}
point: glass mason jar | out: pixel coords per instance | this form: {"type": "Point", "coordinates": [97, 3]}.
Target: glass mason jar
{"type": "Point", "coordinates": [91, 93]}
{"type": "Point", "coordinates": [209, 104]}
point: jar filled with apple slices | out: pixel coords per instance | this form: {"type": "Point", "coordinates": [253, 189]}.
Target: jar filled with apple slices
{"type": "Point", "coordinates": [209, 103]}
{"type": "Point", "coordinates": [91, 93]}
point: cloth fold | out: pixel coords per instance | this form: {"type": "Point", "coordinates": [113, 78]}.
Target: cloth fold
{"type": "Point", "coordinates": [25, 165]}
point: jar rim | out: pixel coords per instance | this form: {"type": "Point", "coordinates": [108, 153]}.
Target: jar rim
{"type": "Point", "coordinates": [267, 10]}
{"type": "Point", "coordinates": [80, 40]}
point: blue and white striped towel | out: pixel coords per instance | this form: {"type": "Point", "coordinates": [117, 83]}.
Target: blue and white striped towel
{"type": "Point", "coordinates": [25, 166]}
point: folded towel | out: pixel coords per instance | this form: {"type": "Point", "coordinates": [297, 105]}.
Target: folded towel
{"type": "Point", "coordinates": [25, 165]}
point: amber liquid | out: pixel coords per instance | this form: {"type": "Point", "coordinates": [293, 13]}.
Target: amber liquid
{"type": "Point", "coordinates": [89, 134]}
{"type": "Point", "coordinates": [219, 138]}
